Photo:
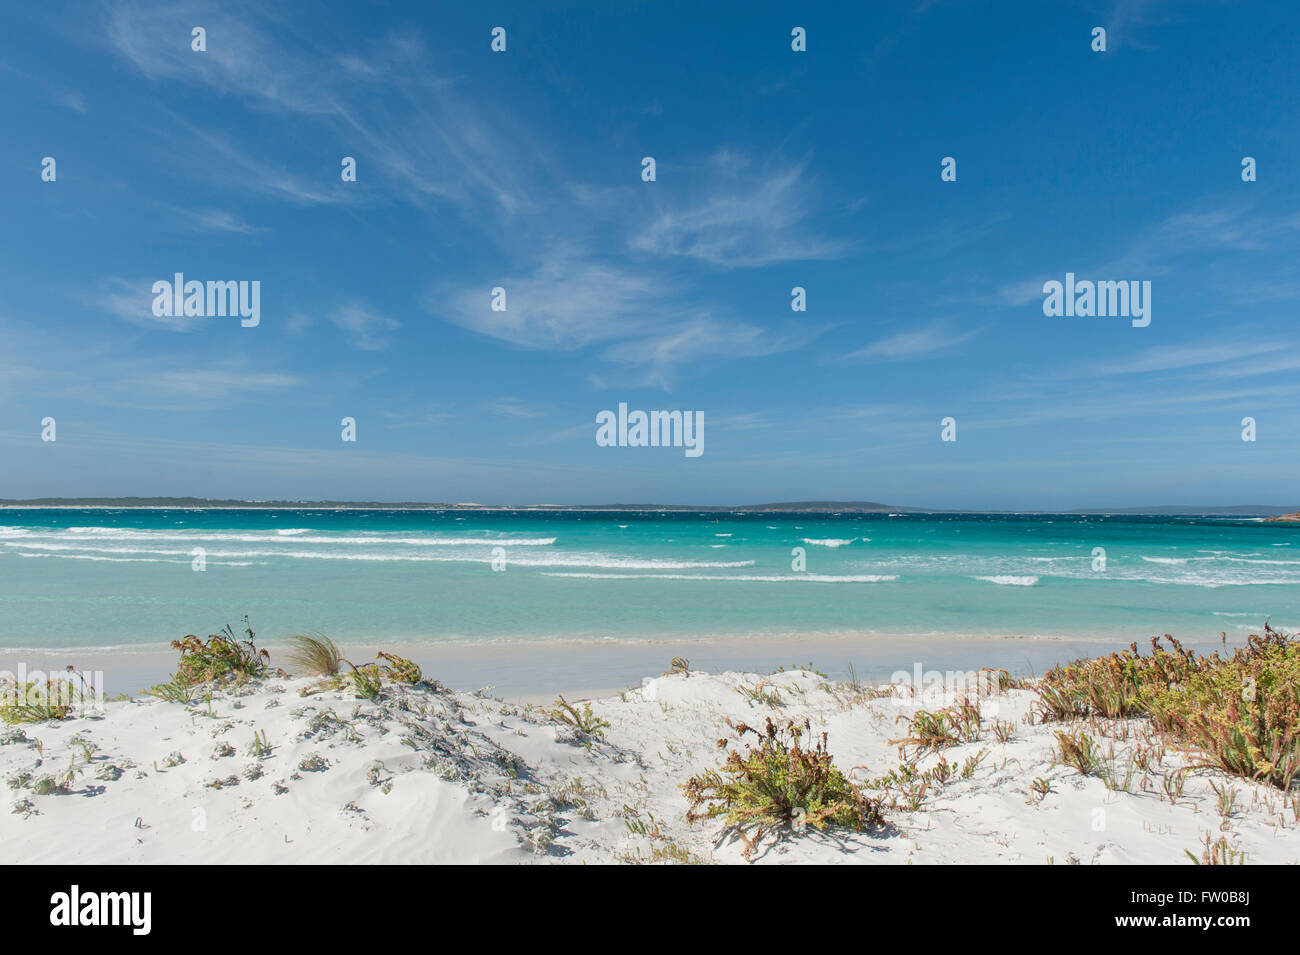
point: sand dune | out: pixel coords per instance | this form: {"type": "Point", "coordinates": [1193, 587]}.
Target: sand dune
{"type": "Point", "coordinates": [429, 775]}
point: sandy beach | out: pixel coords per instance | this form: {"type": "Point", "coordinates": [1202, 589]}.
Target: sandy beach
{"type": "Point", "coordinates": [522, 670]}
{"type": "Point", "coordinates": [263, 774]}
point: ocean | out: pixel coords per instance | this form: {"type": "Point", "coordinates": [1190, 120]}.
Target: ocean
{"type": "Point", "coordinates": [74, 579]}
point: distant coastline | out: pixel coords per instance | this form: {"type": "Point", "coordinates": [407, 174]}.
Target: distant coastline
{"type": "Point", "coordinates": [1287, 513]}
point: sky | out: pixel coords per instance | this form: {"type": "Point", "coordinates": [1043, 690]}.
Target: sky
{"type": "Point", "coordinates": [522, 170]}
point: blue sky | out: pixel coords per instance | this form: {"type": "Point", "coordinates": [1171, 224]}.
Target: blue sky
{"type": "Point", "coordinates": [775, 169]}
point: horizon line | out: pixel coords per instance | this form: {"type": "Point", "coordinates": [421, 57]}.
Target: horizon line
{"type": "Point", "coordinates": [793, 507]}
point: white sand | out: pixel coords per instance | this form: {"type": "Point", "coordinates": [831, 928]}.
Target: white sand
{"type": "Point", "coordinates": [431, 775]}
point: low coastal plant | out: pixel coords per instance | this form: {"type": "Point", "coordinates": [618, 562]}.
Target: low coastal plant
{"type": "Point", "coordinates": [1219, 852]}
{"type": "Point", "coordinates": [313, 655]}
{"type": "Point", "coordinates": [367, 682]}
{"type": "Point", "coordinates": [678, 665]}
{"type": "Point", "coordinates": [1112, 778]}
{"type": "Point", "coordinates": [1172, 783]}
{"type": "Point", "coordinates": [761, 693]}
{"type": "Point", "coordinates": [173, 692]}
{"type": "Point", "coordinates": [802, 668]}
{"type": "Point", "coordinates": [48, 786]}
{"type": "Point", "coordinates": [931, 732]}
{"type": "Point", "coordinates": [48, 700]}
{"type": "Point", "coordinates": [223, 657]}
{"type": "Point", "coordinates": [1225, 799]}
{"type": "Point", "coordinates": [1001, 680]}
{"type": "Point", "coordinates": [972, 763]}
{"type": "Point", "coordinates": [1080, 752]}
{"type": "Point", "coordinates": [260, 748]}
{"type": "Point", "coordinates": [778, 782]}
{"type": "Point", "coordinates": [1117, 686]}
{"type": "Point", "coordinates": [35, 702]}
{"type": "Point", "coordinates": [42, 702]}
{"type": "Point", "coordinates": [1241, 712]}
{"type": "Point", "coordinates": [369, 679]}
{"type": "Point", "coordinates": [943, 771]}
{"type": "Point", "coordinates": [853, 684]}
{"type": "Point", "coordinates": [906, 787]}
{"type": "Point", "coordinates": [586, 723]}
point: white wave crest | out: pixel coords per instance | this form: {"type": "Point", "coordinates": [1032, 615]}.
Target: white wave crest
{"type": "Point", "coordinates": [1009, 580]}
{"type": "Point", "coordinates": [764, 578]}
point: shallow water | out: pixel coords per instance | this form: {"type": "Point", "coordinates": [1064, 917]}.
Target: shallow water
{"type": "Point", "coordinates": [82, 578]}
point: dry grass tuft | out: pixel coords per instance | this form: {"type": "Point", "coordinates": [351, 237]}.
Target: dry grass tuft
{"type": "Point", "coordinates": [313, 655]}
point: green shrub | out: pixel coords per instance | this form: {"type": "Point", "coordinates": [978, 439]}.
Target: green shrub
{"type": "Point", "coordinates": [368, 680]}
{"type": "Point", "coordinates": [1117, 686]}
{"type": "Point", "coordinates": [778, 782]}
{"type": "Point", "coordinates": [173, 692]}
{"type": "Point", "coordinates": [221, 658]}
{"type": "Point", "coordinates": [42, 701]}
{"type": "Point", "coordinates": [583, 721]}
{"type": "Point", "coordinates": [35, 702]}
{"type": "Point", "coordinates": [931, 732]}
{"type": "Point", "coordinates": [1241, 712]}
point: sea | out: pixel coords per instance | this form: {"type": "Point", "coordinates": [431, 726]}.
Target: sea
{"type": "Point", "coordinates": [75, 579]}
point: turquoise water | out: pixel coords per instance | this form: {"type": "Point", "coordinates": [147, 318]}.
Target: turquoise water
{"type": "Point", "coordinates": [81, 578]}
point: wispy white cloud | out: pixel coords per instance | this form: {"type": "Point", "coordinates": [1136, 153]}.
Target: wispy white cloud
{"type": "Point", "coordinates": [115, 373]}
{"type": "Point", "coordinates": [514, 408]}
{"type": "Point", "coordinates": [420, 139]}
{"type": "Point", "coordinates": [1128, 20]}
{"type": "Point", "coordinates": [366, 328]}
{"type": "Point", "coordinates": [243, 172]}
{"type": "Point", "coordinates": [570, 302]}
{"type": "Point", "coordinates": [208, 386]}
{"type": "Point", "coordinates": [913, 343]}
{"type": "Point", "coordinates": [74, 100]}
{"type": "Point", "coordinates": [566, 302]}
{"type": "Point", "coordinates": [219, 220]}
{"type": "Point", "coordinates": [240, 59]}
{"type": "Point", "coordinates": [132, 301]}
{"type": "Point", "coordinates": [1179, 357]}
{"type": "Point", "coordinates": [415, 416]}
{"type": "Point", "coordinates": [737, 215]}
{"type": "Point", "coordinates": [654, 359]}
{"type": "Point", "coordinates": [412, 129]}
{"type": "Point", "coordinates": [1211, 227]}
